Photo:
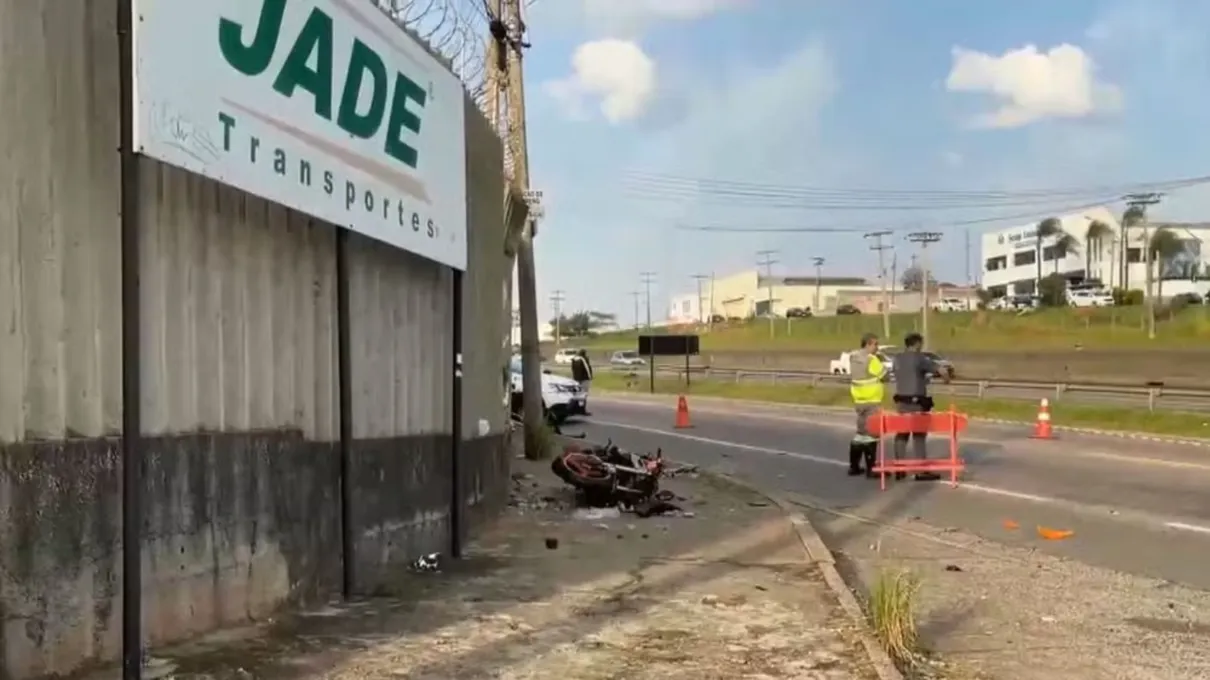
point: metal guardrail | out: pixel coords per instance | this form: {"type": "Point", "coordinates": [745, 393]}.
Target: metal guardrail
{"type": "Point", "coordinates": [1151, 398]}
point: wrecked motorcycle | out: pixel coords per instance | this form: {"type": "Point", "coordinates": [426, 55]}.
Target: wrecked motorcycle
{"type": "Point", "coordinates": [607, 476]}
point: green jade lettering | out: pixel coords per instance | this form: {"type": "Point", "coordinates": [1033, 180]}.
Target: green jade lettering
{"type": "Point", "coordinates": [308, 65]}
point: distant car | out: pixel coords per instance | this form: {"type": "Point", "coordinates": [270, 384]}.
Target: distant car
{"type": "Point", "coordinates": [798, 312]}
{"type": "Point", "coordinates": [847, 310]}
{"type": "Point", "coordinates": [718, 318]}
{"type": "Point", "coordinates": [945, 367]}
{"type": "Point", "coordinates": [950, 305]}
{"type": "Point", "coordinates": [627, 358]}
{"type": "Point", "coordinates": [564, 355]}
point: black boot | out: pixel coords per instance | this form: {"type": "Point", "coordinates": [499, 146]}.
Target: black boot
{"type": "Point", "coordinates": [855, 451]}
{"type": "Point", "coordinates": [870, 451]}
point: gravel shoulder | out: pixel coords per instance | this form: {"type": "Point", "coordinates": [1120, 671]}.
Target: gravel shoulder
{"type": "Point", "coordinates": [990, 610]}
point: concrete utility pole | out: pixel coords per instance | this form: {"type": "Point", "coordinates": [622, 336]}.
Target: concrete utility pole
{"type": "Point", "coordinates": [764, 258]}
{"type": "Point", "coordinates": [647, 278]}
{"type": "Point", "coordinates": [879, 247]}
{"type": "Point", "coordinates": [636, 294]}
{"type": "Point", "coordinates": [506, 90]}
{"type": "Point", "coordinates": [701, 314]}
{"type": "Point", "coordinates": [556, 303]}
{"type": "Point", "coordinates": [924, 238]}
{"type": "Point", "coordinates": [1142, 202]}
{"type": "Point", "coordinates": [710, 321]}
{"type": "Point", "coordinates": [966, 235]}
{"type": "Point", "coordinates": [818, 262]}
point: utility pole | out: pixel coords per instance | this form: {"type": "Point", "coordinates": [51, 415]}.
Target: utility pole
{"type": "Point", "coordinates": [506, 90]}
{"type": "Point", "coordinates": [699, 278]}
{"type": "Point", "coordinates": [894, 273]}
{"type": "Point", "coordinates": [879, 247]}
{"type": "Point", "coordinates": [924, 238]}
{"type": "Point", "coordinates": [647, 278]}
{"type": "Point", "coordinates": [636, 294]}
{"type": "Point", "coordinates": [764, 258]}
{"type": "Point", "coordinates": [1142, 202]}
{"type": "Point", "coordinates": [710, 319]}
{"type": "Point", "coordinates": [818, 262]}
{"type": "Point", "coordinates": [966, 235]}
{"type": "Point", "coordinates": [556, 302]}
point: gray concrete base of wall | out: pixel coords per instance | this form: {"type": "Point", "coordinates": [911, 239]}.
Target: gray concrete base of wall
{"type": "Point", "coordinates": [235, 527]}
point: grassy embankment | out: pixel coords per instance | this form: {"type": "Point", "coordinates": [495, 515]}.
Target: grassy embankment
{"type": "Point", "coordinates": [1124, 419]}
{"type": "Point", "coordinates": [1058, 329]}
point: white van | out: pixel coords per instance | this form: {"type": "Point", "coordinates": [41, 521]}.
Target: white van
{"type": "Point", "coordinates": [1089, 295]}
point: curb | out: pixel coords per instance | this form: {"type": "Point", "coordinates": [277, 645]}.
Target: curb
{"type": "Point", "coordinates": [820, 555]}
{"type": "Point", "coordinates": [1119, 434]}
{"type": "Point", "coordinates": [816, 553]}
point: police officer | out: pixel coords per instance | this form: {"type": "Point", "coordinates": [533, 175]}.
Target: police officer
{"type": "Point", "coordinates": [913, 371]}
{"type": "Point", "coordinates": [866, 375]}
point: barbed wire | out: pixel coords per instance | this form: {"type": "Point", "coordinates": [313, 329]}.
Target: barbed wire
{"type": "Point", "coordinates": [455, 30]}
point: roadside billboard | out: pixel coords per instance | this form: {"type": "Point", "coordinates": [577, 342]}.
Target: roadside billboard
{"type": "Point", "coordinates": [324, 106]}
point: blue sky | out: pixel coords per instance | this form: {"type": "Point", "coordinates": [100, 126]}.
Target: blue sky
{"type": "Point", "coordinates": [877, 94]}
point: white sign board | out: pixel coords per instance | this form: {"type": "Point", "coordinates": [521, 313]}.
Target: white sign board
{"type": "Point", "coordinates": [324, 106]}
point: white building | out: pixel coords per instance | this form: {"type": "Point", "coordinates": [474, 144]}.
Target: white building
{"type": "Point", "coordinates": [683, 309]}
{"type": "Point", "coordinates": [1010, 256]}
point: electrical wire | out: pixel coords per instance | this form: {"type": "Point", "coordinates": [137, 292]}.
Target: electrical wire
{"type": "Point", "coordinates": [671, 188]}
{"type": "Point", "coordinates": [1033, 215]}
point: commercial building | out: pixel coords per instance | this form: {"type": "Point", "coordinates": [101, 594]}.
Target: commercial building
{"type": "Point", "coordinates": [1010, 257]}
{"type": "Point", "coordinates": [750, 293]}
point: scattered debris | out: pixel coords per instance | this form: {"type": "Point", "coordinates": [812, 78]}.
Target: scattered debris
{"type": "Point", "coordinates": [597, 513]}
{"type": "Point", "coordinates": [952, 567]}
{"type": "Point", "coordinates": [427, 563]}
{"type": "Point", "coordinates": [552, 543]}
{"type": "Point", "coordinates": [1054, 534]}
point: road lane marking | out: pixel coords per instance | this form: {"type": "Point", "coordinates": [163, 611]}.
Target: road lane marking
{"type": "Point", "coordinates": [1196, 528]}
{"type": "Point", "coordinates": [841, 424]}
{"type": "Point", "coordinates": [980, 488]}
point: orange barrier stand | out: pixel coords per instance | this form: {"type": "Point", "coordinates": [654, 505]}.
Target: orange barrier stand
{"type": "Point", "coordinates": [884, 425]}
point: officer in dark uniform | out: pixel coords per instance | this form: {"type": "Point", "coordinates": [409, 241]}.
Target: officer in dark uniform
{"type": "Point", "coordinates": [913, 371]}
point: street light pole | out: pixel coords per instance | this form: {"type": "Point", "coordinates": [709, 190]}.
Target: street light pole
{"type": "Point", "coordinates": [879, 247]}
{"type": "Point", "coordinates": [765, 259]}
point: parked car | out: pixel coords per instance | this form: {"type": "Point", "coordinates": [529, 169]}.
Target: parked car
{"type": "Point", "coordinates": [626, 358]}
{"type": "Point", "coordinates": [561, 397]}
{"type": "Point", "coordinates": [1088, 296]}
{"type": "Point", "coordinates": [798, 313]}
{"type": "Point", "coordinates": [847, 310]}
{"type": "Point", "coordinates": [564, 355]}
{"type": "Point", "coordinates": [950, 305]}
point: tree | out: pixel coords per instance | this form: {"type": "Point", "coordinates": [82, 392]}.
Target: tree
{"type": "Point", "coordinates": [913, 279]}
{"type": "Point", "coordinates": [1164, 245]}
{"type": "Point", "coordinates": [1064, 243]}
{"type": "Point", "coordinates": [1133, 216]}
{"type": "Point", "coordinates": [1052, 291]}
{"type": "Point", "coordinates": [581, 324]}
{"type": "Point", "coordinates": [1046, 228]}
{"type": "Point", "coordinates": [1099, 233]}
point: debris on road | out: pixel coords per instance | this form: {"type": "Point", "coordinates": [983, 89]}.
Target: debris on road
{"type": "Point", "coordinates": [610, 478]}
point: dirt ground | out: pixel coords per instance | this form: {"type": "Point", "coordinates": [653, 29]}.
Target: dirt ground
{"type": "Point", "coordinates": [720, 592]}
{"type": "Point", "coordinates": [1009, 613]}
{"type": "Point", "coordinates": [1183, 368]}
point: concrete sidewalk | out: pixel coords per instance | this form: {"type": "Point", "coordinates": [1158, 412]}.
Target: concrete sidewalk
{"type": "Point", "coordinates": [724, 592]}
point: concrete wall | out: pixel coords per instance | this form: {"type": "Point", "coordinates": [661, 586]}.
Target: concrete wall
{"type": "Point", "coordinates": [239, 392]}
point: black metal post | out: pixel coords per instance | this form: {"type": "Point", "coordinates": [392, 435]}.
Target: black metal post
{"type": "Point", "coordinates": [132, 426]}
{"type": "Point", "coordinates": [344, 367]}
{"type": "Point", "coordinates": [687, 365]}
{"type": "Point", "coordinates": [456, 495]}
{"type": "Point", "coordinates": [651, 368]}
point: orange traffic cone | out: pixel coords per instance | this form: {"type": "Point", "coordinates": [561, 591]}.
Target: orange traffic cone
{"type": "Point", "coordinates": [1042, 424]}
{"type": "Point", "coordinates": [682, 413]}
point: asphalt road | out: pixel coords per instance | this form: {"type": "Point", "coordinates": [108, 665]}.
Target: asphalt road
{"type": "Point", "coordinates": [1137, 507]}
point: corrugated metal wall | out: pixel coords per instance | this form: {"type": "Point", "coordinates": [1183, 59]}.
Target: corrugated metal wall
{"type": "Point", "coordinates": [238, 303]}
{"type": "Point", "coordinates": [60, 266]}
{"type": "Point", "coordinates": [400, 332]}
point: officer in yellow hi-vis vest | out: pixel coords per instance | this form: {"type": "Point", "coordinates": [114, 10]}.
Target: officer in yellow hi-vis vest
{"type": "Point", "coordinates": [866, 376]}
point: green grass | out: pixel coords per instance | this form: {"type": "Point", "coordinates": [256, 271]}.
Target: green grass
{"type": "Point", "coordinates": [1124, 419]}
{"type": "Point", "coordinates": [1111, 328]}
{"type": "Point", "coordinates": [893, 603]}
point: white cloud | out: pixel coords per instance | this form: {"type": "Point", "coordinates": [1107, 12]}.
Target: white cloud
{"type": "Point", "coordinates": [1031, 85]}
{"type": "Point", "coordinates": [617, 74]}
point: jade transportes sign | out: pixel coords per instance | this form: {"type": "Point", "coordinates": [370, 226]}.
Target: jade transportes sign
{"type": "Point", "coordinates": [324, 106]}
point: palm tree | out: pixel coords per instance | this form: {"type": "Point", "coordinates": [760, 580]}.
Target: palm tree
{"type": "Point", "coordinates": [1134, 215]}
{"type": "Point", "coordinates": [1064, 243]}
{"type": "Point", "coordinates": [1099, 233]}
{"type": "Point", "coordinates": [1046, 228]}
{"type": "Point", "coordinates": [1164, 245]}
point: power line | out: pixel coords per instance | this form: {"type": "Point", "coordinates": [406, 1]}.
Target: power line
{"type": "Point", "coordinates": [879, 247]}
{"type": "Point", "coordinates": [647, 278]}
{"type": "Point", "coordinates": [699, 278]}
{"type": "Point", "coordinates": [924, 238]}
{"type": "Point", "coordinates": [764, 258]}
